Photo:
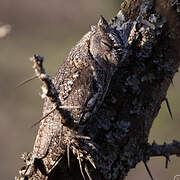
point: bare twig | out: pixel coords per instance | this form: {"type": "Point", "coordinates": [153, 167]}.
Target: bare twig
{"type": "Point", "coordinates": [48, 88]}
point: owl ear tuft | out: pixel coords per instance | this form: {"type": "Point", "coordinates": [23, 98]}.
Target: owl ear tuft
{"type": "Point", "coordinates": [102, 24]}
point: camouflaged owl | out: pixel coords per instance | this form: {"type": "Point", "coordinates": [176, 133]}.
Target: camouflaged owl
{"type": "Point", "coordinates": [83, 80]}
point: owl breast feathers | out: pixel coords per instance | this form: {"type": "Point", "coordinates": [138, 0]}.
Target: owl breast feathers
{"type": "Point", "coordinates": [83, 80]}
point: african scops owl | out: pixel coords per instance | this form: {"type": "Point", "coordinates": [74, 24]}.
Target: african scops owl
{"type": "Point", "coordinates": [83, 80]}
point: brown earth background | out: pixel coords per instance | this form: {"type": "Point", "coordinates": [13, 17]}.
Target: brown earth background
{"type": "Point", "coordinates": [50, 28]}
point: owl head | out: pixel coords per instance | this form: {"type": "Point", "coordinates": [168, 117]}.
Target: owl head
{"type": "Point", "coordinates": [104, 44]}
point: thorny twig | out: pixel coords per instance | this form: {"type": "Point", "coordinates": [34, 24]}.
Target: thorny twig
{"type": "Point", "coordinates": [48, 89]}
{"type": "Point", "coordinates": [161, 150]}
{"type": "Point", "coordinates": [164, 149]}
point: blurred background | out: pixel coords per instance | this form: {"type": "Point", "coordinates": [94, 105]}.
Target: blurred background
{"type": "Point", "coordinates": [50, 28]}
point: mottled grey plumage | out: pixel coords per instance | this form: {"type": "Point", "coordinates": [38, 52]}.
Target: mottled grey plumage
{"type": "Point", "coordinates": [82, 80]}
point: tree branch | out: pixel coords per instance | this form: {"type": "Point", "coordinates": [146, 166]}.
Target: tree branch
{"type": "Point", "coordinates": [164, 149]}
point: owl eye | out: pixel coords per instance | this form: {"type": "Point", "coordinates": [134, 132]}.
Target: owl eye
{"type": "Point", "coordinates": [107, 44]}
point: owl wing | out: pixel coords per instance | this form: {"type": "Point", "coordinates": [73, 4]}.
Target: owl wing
{"type": "Point", "coordinates": [80, 82]}
{"type": "Point", "coordinates": [47, 145]}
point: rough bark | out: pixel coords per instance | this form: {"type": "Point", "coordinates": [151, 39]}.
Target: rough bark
{"type": "Point", "coordinates": [121, 128]}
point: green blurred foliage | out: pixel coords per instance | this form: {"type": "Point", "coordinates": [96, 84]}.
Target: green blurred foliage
{"type": "Point", "coordinates": [51, 28]}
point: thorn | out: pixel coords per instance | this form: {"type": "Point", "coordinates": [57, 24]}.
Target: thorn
{"type": "Point", "coordinates": [26, 81]}
{"type": "Point", "coordinates": [80, 165]}
{"type": "Point", "coordinates": [167, 161]}
{"type": "Point", "coordinates": [166, 166]}
{"type": "Point", "coordinates": [68, 107]}
{"type": "Point", "coordinates": [168, 106]}
{"type": "Point", "coordinates": [172, 83]}
{"type": "Point", "coordinates": [68, 156]}
{"type": "Point", "coordinates": [87, 172]}
{"type": "Point", "coordinates": [43, 118]}
{"type": "Point", "coordinates": [148, 170]}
